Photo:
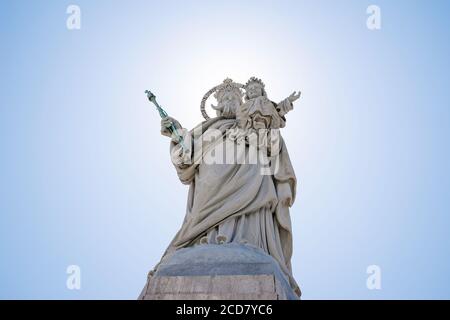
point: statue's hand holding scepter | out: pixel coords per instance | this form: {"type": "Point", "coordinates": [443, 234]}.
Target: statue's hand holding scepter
{"type": "Point", "coordinates": [166, 121]}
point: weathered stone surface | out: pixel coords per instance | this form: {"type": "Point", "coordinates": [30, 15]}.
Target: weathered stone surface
{"type": "Point", "coordinates": [228, 271]}
{"type": "Point", "coordinates": [212, 288]}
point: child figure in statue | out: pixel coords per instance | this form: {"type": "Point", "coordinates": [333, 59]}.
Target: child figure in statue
{"type": "Point", "coordinates": [258, 112]}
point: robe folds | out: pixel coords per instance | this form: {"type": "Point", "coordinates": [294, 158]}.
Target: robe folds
{"type": "Point", "coordinates": [235, 202]}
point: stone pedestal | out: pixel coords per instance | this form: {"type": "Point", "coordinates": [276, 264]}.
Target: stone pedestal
{"type": "Point", "coordinates": [257, 287]}
{"type": "Point", "coordinates": [223, 272]}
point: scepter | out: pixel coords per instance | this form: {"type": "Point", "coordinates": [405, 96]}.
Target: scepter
{"type": "Point", "coordinates": [173, 130]}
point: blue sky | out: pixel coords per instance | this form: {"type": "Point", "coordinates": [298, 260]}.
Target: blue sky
{"type": "Point", "coordinates": [86, 178]}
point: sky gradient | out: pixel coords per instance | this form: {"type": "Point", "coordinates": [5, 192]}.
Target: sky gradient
{"type": "Point", "coordinates": [86, 178]}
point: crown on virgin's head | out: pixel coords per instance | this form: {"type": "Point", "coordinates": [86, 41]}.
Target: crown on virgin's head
{"type": "Point", "coordinates": [255, 80]}
{"type": "Point", "coordinates": [228, 86]}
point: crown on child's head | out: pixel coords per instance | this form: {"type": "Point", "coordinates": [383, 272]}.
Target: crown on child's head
{"type": "Point", "coordinates": [255, 80]}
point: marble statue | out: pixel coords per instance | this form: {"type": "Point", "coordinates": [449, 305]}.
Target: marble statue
{"type": "Point", "coordinates": [229, 201]}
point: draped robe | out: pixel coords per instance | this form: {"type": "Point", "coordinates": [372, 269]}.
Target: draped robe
{"type": "Point", "coordinates": [232, 202]}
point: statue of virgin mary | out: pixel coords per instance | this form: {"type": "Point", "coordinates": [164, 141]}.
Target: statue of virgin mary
{"type": "Point", "coordinates": [235, 201]}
